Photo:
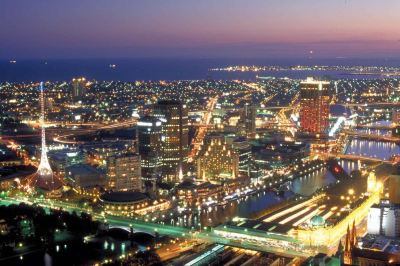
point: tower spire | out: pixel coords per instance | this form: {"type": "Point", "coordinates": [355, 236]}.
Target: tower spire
{"type": "Point", "coordinates": [45, 174]}
{"type": "Point", "coordinates": [348, 248]}
{"type": "Point", "coordinates": [354, 234]}
{"type": "Point", "coordinates": [340, 246]}
{"type": "Point", "coordinates": [347, 241]}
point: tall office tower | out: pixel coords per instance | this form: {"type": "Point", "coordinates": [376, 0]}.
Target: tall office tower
{"type": "Point", "coordinates": [314, 106]}
{"type": "Point", "coordinates": [124, 172]}
{"type": "Point", "coordinates": [250, 113]}
{"type": "Point", "coordinates": [243, 149]}
{"type": "Point", "coordinates": [149, 132]}
{"type": "Point", "coordinates": [78, 88]}
{"type": "Point", "coordinates": [394, 189]}
{"type": "Point", "coordinates": [175, 141]}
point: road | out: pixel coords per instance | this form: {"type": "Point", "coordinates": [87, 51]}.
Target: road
{"type": "Point", "coordinates": [66, 139]}
{"type": "Point", "coordinates": [202, 129]}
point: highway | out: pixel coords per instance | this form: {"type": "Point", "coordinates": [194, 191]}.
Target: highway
{"type": "Point", "coordinates": [66, 139]}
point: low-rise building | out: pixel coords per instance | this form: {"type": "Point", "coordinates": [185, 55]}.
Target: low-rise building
{"type": "Point", "coordinates": [128, 203]}
{"type": "Point", "coordinates": [8, 157]}
{"type": "Point", "coordinates": [60, 159]}
{"type": "Point", "coordinates": [12, 176]}
{"type": "Point", "coordinates": [190, 193]}
{"type": "Point", "coordinates": [279, 154]}
{"type": "Point", "coordinates": [85, 177]}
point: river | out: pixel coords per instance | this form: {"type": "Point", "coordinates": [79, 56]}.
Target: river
{"type": "Point", "coordinates": [252, 205]}
{"type": "Point", "coordinates": [305, 185]}
{"type": "Point", "coordinates": [374, 149]}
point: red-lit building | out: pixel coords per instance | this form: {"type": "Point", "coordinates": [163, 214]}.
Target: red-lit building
{"type": "Point", "coordinates": [314, 109]}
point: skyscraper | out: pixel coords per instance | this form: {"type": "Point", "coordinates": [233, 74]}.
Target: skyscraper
{"type": "Point", "coordinates": [78, 88]}
{"type": "Point", "coordinates": [394, 189]}
{"type": "Point", "coordinates": [314, 107]}
{"type": "Point", "coordinates": [124, 172]}
{"type": "Point", "coordinates": [175, 143]}
{"type": "Point", "coordinates": [149, 131]}
{"type": "Point", "coordinates": [250, 113]}
{"type": "Point", "coordinates": [243, 149]}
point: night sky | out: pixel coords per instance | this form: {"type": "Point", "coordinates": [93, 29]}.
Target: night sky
{"type": "Point", "coordinates": [201, 28]}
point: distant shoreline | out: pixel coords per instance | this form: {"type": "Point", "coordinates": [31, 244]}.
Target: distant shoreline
{"type": "Point", "coordinates": [191, 69]}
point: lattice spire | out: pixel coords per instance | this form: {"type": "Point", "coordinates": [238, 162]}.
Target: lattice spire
{"type": "Point", "coordinates": [44, 169]}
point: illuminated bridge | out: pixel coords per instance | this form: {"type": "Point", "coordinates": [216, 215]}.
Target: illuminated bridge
{"type": "Point", "coordinates": [128, 229]}
{"type": "Point", "coordinates": [375, 127]}
{"type": "Point", "coordinates": [353, 157]}
{"type": "Point", "coordinates": [373, 137]}
{"type": "Point", "coordinates": [281, 232]}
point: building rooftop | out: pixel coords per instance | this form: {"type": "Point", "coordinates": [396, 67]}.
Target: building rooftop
{"type": "Point", "coordinates": [380, 243]}
{"type": "Point", "coordinates": [18, 171]}
{"type": "Point", "coordinates": [311, 80]}
{"type": "Point", "coordinates": [207, 185]}
{"type": "Point", "coordinates": [376, 255]}
{"type": "Point", "coordinates": [6, 154]}
{"type": "Point", "coordinates": [149, 121]}
{"type": "Point", "coordinates": [186, 184]}
{"type": "Point", "coordinates": [123, 196]}
{"type": "Point", "coordinates": [61, 155]}
{"type": "Point", "coordinates": [317, 221]}
{"type": "Point", "coordinates": [125, 155]}
{"type": "Point", "coordinates": [83, 169]}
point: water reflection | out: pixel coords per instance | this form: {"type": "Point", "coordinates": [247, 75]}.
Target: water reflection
{"type": "Point", "coordinates": [350, 166]}
{"type": "Point", "coordinates": [252, 205]}
{"type": "Point", "coordinates": [307, 185]}
{"type": "Point", "coordinates": [375, 149]}
{"type": "Point", "coordinates": [218, 214]}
